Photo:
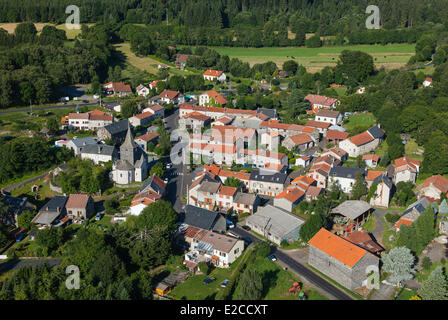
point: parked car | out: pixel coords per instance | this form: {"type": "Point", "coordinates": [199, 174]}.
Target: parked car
{"type": "Point", "coordinates": [208, 280]}
{"type": "Point", "coordinates": [247, 228]}
{"type": "Point", "coordinates": [98, 216]}
{"type": "Point", "coordinates": [224, 283]}
{"type": "Point", "coordinates": [272, 257]}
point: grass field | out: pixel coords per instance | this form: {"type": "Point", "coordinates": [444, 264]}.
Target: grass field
{"type": "Point", "coordinates": [359, 122]}
{"type": "Point", "coordinates": [314, 59]}
{"type": "Point", "coordinates": [145, 64]}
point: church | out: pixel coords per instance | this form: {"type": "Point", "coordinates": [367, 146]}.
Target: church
{"type": "Point", "coordinates": [132, 165]}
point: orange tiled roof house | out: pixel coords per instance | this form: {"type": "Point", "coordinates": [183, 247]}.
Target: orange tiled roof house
{"type": "Point", "coordinates": [341, 260]}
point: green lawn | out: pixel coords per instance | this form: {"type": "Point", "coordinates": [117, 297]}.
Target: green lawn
{"type": "Point", "coordinates": [370, 225]}
{"type": "Point", "coordinates": [406, 294]}
{"type": "Point", "coordinates": [314, 59]}
{"type": "Point", "coordinates": [359, 122]}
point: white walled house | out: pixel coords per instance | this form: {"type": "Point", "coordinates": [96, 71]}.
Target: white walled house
{"type": "Point", "coordinates": [98, 153]}
{"type": "Point", "coordinates": [329, 116]}
{"type": "Point", "coordinates": [212, 75]}
{"type": "Point", "coordinates": [362, 143]}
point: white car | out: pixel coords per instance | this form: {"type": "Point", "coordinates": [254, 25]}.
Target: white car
{"type": "Point", "coordinates": [165, 180]}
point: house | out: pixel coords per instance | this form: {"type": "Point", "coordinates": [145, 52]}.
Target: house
{"type": "Point", "coordinates": [321, 102]}
{"type": "Point", "coordinates": [154, 184]}
{"type": "Point", "coordinates": [267, 183]}
{"type": "Point", "coordinates": [344, 177]}
{"type": "Point", "coordinates": [77, 144]}
{"type": "Point", "coordinates": [362, 239]}
{"type": "Point", "coordinates": [212, 75]}
{"type": "Point", "coordinates": [142, 91]}
{"type": "Point", "coordinates": [271, 140]}
{"type": "Point", "coordinates": [80, 207]}
{"type": "Point", "coordinates": [99, 153]}
{"type": "Point", "coordinates": [302, 183]}
{"type": "Point", "coordinates": [168, 283]}
{"type": "Point", "coordinates": [51, 211]}
{"type": "Point", "coordinates": [353, 212]}
{"type": "Point", "coordinates": [141, 119]}
{"type": "Point", "coordinates": [223, 121]}
{"type": "Point", "coordinates": [92, 120]}
{"type": "Point", "coordinates": [312, 193]}
{"type": "Point", "coordinates": [320, 173]}
{"type": "Point", "coordinates": [329, 116]}
{"type": "Point", "coordinates": [383, 193]}
{"type": "Point", "coordinates": [336, 153]}
{"type": "Point", "coordinates": [115, 131]}
{"type": "Point", "coordinates": [15, 207]}
{"type": "Point", "coordinates": [117, 89]}
{"type": "Point", "coordinates": [275, 224]}
{"type": "Point", "coordinates": [427, 82]}
{"type": "Point", "coordinates": [406, 169]}
{"type": "Point", "coordinates": [158, 112]}
{"type": "Point", "coordinates": [181, 60]}
{"type": "Point", "coordinates": [153, 84]}
{"type": "Point", "coordinates": [412, 212]}
{"type": "Point", "coordinates": [170, 96]}
{"type": "Point", "coordinates": [289, 198]}
{"type": "Point", "coordinates": [211, 98]}
{"type": "Point", "coordinates": [301, 142]}
{"type": "Point", "coordinates": [270, 113]}
{"type": "Point", "coordinates": [341, 260]}
{"type": "Point", "coordinates": [322, 127]}
{"type": "Point", "coordinates": [132, 165]}
{"type": "Point", "coordinates": [433, 187]}
{"type": "Point", "coordinates": [373, 177]}
{"type": "Point", "coordinates": [194, 121]}
{"type": "Point", "coordinates": [335, 136]}
{"type": "Point", "coordinates": [215, 112]}
{"type": "Point", "coordinates": [145, 139]}
{"type": "Point", "coordinates": [217, 249]}
{"type": "Point", "coordinates": [203, 219]}
{"type": "Point", "coordinates": [142, 199]}
{"type": "Point", "coordinates": [303, 161]}
{"type": "Point", "coordinates": [245, 203]}
{"type": "Point", "coordinates": [371, 160]}
{"type": "Point", "coordinates": [363, 143]}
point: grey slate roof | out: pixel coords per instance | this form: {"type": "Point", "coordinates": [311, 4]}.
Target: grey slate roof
{"type": "Point", "coordinates": [271, 113]}
{"type": "Point", "coordinates": [209, 186]}
{"type": "Point", "coordinates": [123, 165]}
{"type": "Point", "coordinates": [376, 132]}
{"type": "Point", "coordinates": [352, 208]}
{"type": "Point", "coordinates": [275, 220]}
{"type": "Point", "coordinates": [419, 205]}
{"type": "Point", "coordinates": [268, 176]}
{"type": "Point", "coordinates": [51, 210]}
{"type": "Point", "coordinates": [98, 149]}
{"type": "Point", "coordinates": [203, 219]}
{"type": "Point", "coordinates": [245, 198]}
{"type": "Point", "coordinates": [79, 142]}
{"type": "Point", "coordinates": [117, 127]}
{"type": "Point", "coordinates": [344, 172]}
{"type": "Point", "coordinates": [150, 184]}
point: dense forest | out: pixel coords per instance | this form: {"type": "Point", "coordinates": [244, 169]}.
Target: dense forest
{"type": "Point", "coordinates": [245, 23]}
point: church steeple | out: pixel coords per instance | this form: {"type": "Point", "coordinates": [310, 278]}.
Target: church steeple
{"type": "Point", "coordinates": [129, 149]}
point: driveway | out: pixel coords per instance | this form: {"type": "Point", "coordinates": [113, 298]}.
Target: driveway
{"type": "Point", "coordinates": [380, 225]}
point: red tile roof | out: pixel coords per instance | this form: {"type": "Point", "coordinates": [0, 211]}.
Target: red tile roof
{"type": "Point", "coordinates": [321, 100]}
{"type": "Point", "coordinates": [337, 247]}
{"type": "Point", "coordinates": [227, 191]}
{"type": "Point", "coordinates": [77, 201]}
{"type": "Point", "coordinates": [300, 139]}
{"type": "Point", "coordinates": [336, 135]}
{"type": "Point", "coordinates": [213, 73]}
{"type": "Point", "coordinates": [372, 175]}
{"type": "Point", "coordinates": [292, 195]}
{"type": "Point", "coordinates": [361, 139]}
{"type": "Point", "coordinates": [148, 136]}
{"type": "Point", "coordinates": [373, 157]}
{"type": "Point", "coordinates": [327, 113]}
{"type": "Point", "coordinates": [196, 116]}
{"type": "Point", "coordinates": [437, 181]}
{"type": "Point", "coordinates": [318, 124]}
{"type": "Point", "coordinates": [143, 115]}
{"type": "Point", "coordinates": [217, 97]}
{"type": "Point", "coordinates": [170, 94]}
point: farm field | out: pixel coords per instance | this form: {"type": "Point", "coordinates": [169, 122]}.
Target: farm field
{"type": "Point", "coordinates": [71, 34]}
{"type": "Point", "coordinates": [145, 64]}
{"type": "Point", "coordinates": [314, 59]}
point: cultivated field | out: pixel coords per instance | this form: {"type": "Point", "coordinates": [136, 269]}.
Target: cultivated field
{"type": "Point", "coordinates": [146, 63]}
{"type": "Point", "coordinates": [71, 34]}
{"type": "Point", "coordinates": [314, 59]}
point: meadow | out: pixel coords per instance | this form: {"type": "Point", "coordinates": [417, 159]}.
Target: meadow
{"type": "Point", "coordinates": [314, 59]}
{"type": "Point", "coordinates": [71, 34]}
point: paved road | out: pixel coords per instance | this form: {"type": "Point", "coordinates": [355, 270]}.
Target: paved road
{"type": "Point", "coordinates": [22, 183]}
{"type": "Point", "coordinates": [300, 269]}
{"type": "Point", "coordinates": [18, 264]}
{"type": "Point", "coordinates": [107, 104]}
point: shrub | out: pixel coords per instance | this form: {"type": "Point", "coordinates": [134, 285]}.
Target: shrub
{"type": "Point", "coordinates": [392, 217]}
{"type": "Point", "coordinates": [263, 250]}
